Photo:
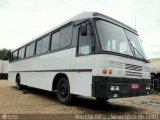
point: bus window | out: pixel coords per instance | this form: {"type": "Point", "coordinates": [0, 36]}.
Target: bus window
{"type": "Point", "coordinates": [30, 50]}
{"type": "Point", "coordinates": [39, 46]}
{"type": "Point", "coordinates": [15, 55]}
{"type": "Point", "coordinates": [85, 43]}
{"type": "Point", "coordinates": [21, 53]}
{"type": "Point", "coordinates": [45, 44]}
{"type": "Point", "coordinates": [66, 36]}
{"type": "Point", "coordinates": [55, 41]}
{"type": "Point", "coordinates": [27, 51]}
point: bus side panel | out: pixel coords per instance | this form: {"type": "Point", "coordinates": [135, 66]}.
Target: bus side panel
{"type": "Point", "coordinates": [12, 76]}
{"type": "Point", "coordinates": [41, 80]}
{"type": "Point", "coordinates": [80, 83]}
{"type": "Point", "coordinates": [40, 71]}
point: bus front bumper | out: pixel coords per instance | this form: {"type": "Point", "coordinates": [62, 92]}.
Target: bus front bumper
{"type": "Point", "coordinates": [112, 87]}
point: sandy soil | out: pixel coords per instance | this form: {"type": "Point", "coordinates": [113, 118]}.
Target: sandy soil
{"type": "Point", "coordinates": [13, 101]}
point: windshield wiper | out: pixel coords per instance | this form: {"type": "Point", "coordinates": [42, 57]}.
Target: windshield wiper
{"type": "Point", "coordinates": [133, 50]}
{"type": "Point", "coordinates": [141, 55]}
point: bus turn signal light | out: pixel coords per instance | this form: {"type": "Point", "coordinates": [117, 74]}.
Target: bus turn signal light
{"type": "Point", "coordinates": [110, 71]}
{"type": "Point", "coordinates": [104, 71]}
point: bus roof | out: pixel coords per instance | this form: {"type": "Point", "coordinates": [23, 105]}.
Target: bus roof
{"type": "Point", "coordinates": [83, 15]}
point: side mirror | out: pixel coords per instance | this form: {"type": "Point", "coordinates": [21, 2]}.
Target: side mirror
{"type": "Point", "coordinates": [83, 30]}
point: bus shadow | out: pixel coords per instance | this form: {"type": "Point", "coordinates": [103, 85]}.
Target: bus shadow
{"type": "Point", "coordinates": [89, 105]}
{"type": "Point", "coordinates": [39, 92]}
{"type": "Point", "coordinates": [108, 106]}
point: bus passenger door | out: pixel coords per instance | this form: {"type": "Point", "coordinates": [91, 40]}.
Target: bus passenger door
{"type": "Point", "coordinates": [83, 61]}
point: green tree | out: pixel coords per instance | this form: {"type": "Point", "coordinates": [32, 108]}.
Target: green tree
{"type": "Point", "coordinates": [4, 54]}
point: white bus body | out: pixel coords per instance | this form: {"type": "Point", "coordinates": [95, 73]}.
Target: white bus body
{"type": "Point", "coordinates": [4, 69]}
{"type": "Point", "coordinates": [88, 70]}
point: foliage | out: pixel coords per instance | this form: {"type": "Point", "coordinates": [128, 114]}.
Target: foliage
{"type": "Point", "coordinates": [4, 54]}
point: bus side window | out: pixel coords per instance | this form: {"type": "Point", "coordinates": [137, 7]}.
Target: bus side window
{"type": "Point", "coordinates": [55, 41]}
{"type": "Point", "coordinates": [27, 51]}
{"type": "Point", "coordinates": [38, 47]}
{"type": "Point", "coordinates": [30, 50]}
{"type": "Point", "coordinates": [45, 44]}
{"type": "Point", "coordinates": [85, 43]}
{"type": "Point", "coordinates": [66, 36]}
{"type": "Point", "coordinates": [15, 55]}
{"type": "Point", "coordinates": [19, 53]}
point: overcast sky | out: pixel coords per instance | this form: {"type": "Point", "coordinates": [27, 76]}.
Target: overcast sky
{"type": "Point", "coordinates": [23, 20]}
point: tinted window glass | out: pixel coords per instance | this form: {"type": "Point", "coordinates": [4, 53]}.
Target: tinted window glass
{"type": "Point", "coordinates": [136, 44]}
{"type": "Point", "coordinates": [45, 44]}
{"type": "Point", "coordinates": [27, 51]}
{"type": "Point", "coordinates": [112, 38]}
{"type": "Point", "coordinates": [15, 55]}
{"type": "Point", "coordinates": [31, 49]}
{"type": "Point", "coordinates": [55, 41]}
{"type": "Point", "coordinates": [75, 35]}
{"type": "Point", "coordinates": [21, 53]}
{"type": "Point", "coordinates": [66, 36]}
{"type": "Point", "coordinates": [85, 43]}
{"type": "Point", "coordinates": [39, 46]}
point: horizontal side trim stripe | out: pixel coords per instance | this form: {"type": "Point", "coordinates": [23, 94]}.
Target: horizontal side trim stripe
{"type": "Point", "coordinates": [63, 70]}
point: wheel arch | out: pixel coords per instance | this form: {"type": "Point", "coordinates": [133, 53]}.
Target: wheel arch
{"type": "Point", "coordinates": [56, 78]}
{"type": "Point", "coordinates": [17, 76]}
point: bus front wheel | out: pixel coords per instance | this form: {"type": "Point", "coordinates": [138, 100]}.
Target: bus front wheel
{"type": "Point", "coordinates": [101, 100]}
{"type": "Point", "coordinates": [18, 85]}
{"type": "Point", "coordinates": [63, 91]}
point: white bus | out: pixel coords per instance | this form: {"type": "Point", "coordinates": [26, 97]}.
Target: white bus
{"type": "Point", "coordinates": [90, 55]}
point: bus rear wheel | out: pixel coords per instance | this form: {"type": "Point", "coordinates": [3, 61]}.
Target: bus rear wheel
{"type": "Point", "coordinates": [63, 91]}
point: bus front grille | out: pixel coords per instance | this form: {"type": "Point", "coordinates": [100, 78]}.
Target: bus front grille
{"type": "Point", "coordinates": [133, 67]}
{"type": "Point", "coordinates": [133, 74]}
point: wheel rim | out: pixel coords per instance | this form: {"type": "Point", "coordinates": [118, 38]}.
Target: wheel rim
{"type": "Point", "coordinates": [62, 89]}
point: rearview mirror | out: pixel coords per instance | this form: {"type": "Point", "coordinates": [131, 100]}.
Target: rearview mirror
{"type": "Point", "coordinates": [83, 30]}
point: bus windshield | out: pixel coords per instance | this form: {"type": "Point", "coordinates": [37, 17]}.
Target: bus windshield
{"type": "Point", "coordinates": [134, 39]}
{"type": "Point", "coordinates": [115, 39]}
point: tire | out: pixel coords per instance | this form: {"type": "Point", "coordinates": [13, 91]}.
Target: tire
{"type": "Point", "coordinates": [18, 85]}
{"type": "Point", "coordinates": [101, 100]}
{"type": "Point", "coordinates": [63, 91]}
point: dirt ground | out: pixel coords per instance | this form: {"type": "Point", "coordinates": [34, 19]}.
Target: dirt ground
{"type": "Point", "coordinates": [13, 101]}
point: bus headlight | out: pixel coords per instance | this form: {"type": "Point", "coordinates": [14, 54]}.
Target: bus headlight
{"type": "Point", "coordinates": [114, 88]}
{"type": "Point", "coordinates": [148, 87]}
{"type": "Point", "coordinates": [117, 88]}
